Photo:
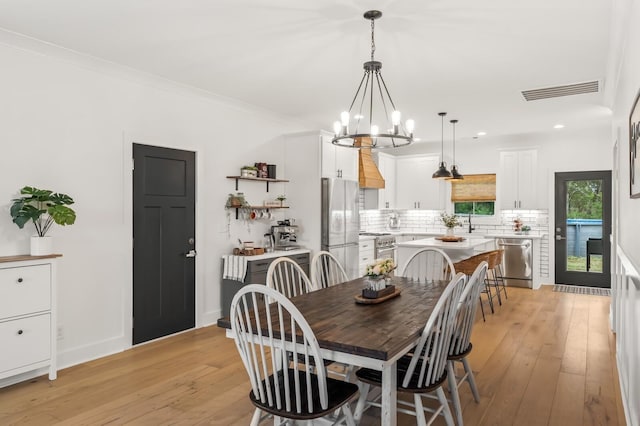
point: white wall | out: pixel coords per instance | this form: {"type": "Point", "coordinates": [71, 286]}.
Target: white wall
{"type": "Point", "coordinates": [68, 123]}
{"type": "Point", "coordinates": [623, 80]}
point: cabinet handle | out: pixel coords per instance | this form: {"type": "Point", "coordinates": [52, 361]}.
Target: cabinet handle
{"type": "Point", "coordinates": [20, 331]}
{"type": "Point", "coordinates": [20, 280]}
{"type": "Point", "coordinates": [515, 204]}
{"type": "Point", "coordinates": [519, 203]}
{"type": "Point", "coordinates": [386, 204]}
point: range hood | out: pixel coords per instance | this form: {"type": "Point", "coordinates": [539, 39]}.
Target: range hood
{"type": "Point", "coordinates": [368, 174]}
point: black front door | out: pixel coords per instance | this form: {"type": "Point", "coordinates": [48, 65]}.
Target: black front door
{"type": "Point", "coordinates": [582, 228]}
{"type": "Point", "coordinates": [163, 242]}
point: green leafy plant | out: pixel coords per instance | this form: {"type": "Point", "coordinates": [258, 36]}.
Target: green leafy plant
{"type": "Point", "coordinates": [450, 220]}
{"type": "Point", "coordinates": [281, 197]}
{"type": "Point", "coordinates": [42, 207]}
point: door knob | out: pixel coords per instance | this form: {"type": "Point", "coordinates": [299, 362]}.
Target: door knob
{"type": "Point", "coordinates": [191, 253]}
{"type": "Point", "coordinates": [560, 237]}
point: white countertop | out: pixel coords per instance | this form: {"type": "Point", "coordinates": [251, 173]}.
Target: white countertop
{"type": "Point", "coordinates": [278, 253]}
{"type": "Point", "coordinates": [520, 236]}
{"type": "Point", "coordinates": [467, 244]}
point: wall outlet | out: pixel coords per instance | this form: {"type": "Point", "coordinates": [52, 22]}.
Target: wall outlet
{"type": "Point", "coordinates": [60, 334]}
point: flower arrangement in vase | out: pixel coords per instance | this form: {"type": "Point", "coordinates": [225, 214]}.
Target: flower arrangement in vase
{"type": "Point", "coordinates": [376, 276]}
{"type": "Point", "coordinates": [450, 221]}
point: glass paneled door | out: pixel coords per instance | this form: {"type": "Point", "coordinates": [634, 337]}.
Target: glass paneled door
{"type": "Point", "coordinates": [582, 228]}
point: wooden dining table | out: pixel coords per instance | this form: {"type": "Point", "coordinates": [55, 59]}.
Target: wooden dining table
{"type": "Point", "coordinates": [373, 336]}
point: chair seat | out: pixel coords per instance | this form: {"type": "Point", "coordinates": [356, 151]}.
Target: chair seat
{"type": "Point", "coordinates": [374, 377]}
{"type": "Point", "coordinates": [461, 354]}
{"type": "Point", "coordinates": [339, 392]}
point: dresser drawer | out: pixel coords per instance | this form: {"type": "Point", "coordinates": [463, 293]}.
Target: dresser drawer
{"type": "Point", "coordinates": [24, 290]}
{"type": "Point", "coordinates": [25, 341]}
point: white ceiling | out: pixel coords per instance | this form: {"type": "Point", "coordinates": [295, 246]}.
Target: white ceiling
{"type": "Point", "coordinates": [303, 58]}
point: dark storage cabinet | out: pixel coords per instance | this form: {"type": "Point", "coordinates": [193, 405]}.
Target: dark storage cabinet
{"type": "Point", "coordinates": [256, 274]}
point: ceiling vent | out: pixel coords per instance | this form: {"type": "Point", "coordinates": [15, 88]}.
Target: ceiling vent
{"type": "Point", "coordinates": [558, 91]}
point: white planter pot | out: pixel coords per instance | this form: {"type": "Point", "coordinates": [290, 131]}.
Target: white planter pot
{"type": "Point", "coordinates": [41, 246]}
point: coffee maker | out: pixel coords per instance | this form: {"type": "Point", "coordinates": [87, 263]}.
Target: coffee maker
{"type": "Point", "coordinates": [284, 235]}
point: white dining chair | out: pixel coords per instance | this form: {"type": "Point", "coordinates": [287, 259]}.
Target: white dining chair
{"type": "Point", "coordinates": [271, 336]}
{"type": "Point", "coordinates": [428, 264]}
{"type": "Point", "coordinates": [287, 277]}
{"type": "Point", "coordinates": [423, 371]}
{"type": "Point", "coordinates": [461, 343]}
{"type": "Point", "coordinates": [326, 270]}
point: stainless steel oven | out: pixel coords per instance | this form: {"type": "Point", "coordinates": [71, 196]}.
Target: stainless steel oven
{"type": "Point", "coordinates": [385, 245]}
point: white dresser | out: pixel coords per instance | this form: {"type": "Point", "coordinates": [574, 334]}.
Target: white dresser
{"type": "Point", "coordinates": [27, 314]}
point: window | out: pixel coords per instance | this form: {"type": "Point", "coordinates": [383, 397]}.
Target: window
{"type": "Point", "coordinates": [475, 194]}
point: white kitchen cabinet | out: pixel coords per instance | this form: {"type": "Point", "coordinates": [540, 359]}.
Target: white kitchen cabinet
{"type": "Point", "coordinates": [415, 188]}
{"type": "Point", "coordinates": [366, 254]}
{"type": "Point", "coordinates": [338, 162]}
{"type": "Point", "coordinates": [27, 314]}
{"type": "Point", "coordinates": [517, 181]}
{"type": "Point", "coordinates": [387, 195]}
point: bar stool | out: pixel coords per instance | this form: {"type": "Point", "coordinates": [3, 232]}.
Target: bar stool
{"type": "Point", "coordinates": [494, 273]}
{"type": "Point", "coordinates": [467, 267]}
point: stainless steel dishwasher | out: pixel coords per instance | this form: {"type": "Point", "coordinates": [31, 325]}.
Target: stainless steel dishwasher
{"type": "Point", "coordinates": [517, 264]}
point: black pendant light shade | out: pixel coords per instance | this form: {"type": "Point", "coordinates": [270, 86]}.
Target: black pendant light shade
{"type": "Point", "coordinates": [455, 174]}
{"type": "Point", "coordinates": [442, 172]}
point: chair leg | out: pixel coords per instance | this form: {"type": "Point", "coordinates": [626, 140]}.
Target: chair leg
{"type": "Point", "coordinates": [348, 415]}
{"type": "Point", "coordinates": [453, 389]}
{"type": "Point", "coordinates": [487, 291]}
{"type": "Point", "coordinates": [255, 419]}
{"type": "Point", "coordinates": [445, 406]}
{"type": "Point", "coordinates": [494, 279]}
{"type": "Point", "coordinates": [471, 379]}
{"type": "Point", "coordinates": [501, 277]}
{"type": "Point", "coordinates": [482, 309]}
{"type": "Point", "coordinates": [420, 418]}
{"type": "Point", "coordinates": [362, 400]}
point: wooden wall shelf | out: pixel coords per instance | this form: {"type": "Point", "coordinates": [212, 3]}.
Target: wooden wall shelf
{"type": "Point", "coordinates": [256, 179]}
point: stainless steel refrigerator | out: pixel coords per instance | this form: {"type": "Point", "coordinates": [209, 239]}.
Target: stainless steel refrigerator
{"type": "Point", "coordinates": [341, 222]}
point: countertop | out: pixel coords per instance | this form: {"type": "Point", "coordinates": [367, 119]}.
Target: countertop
{"type": "Point", "coordinates": [467, 244]}
{"type": "Point", "coordinates": [278, 253]}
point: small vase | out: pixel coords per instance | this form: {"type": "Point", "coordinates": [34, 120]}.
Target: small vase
{"type": "Point", "coordinates": [449, 232]}
{"type": "Point", "coordinates": [41, 246]}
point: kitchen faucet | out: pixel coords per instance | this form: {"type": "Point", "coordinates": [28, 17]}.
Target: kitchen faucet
{"type": "Point", "coordinates": [471, 228]}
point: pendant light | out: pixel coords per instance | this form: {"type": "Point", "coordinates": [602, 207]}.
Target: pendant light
{"type": "Point", "coordinates": [442, 172]}
{"type": "Point", "coordinates": [385, 128]}
{"type": "Point", "coordinates": [455, 174]}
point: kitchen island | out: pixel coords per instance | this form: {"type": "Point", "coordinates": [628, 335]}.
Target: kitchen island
{"type": "Point", "coordinates": [457, 251]}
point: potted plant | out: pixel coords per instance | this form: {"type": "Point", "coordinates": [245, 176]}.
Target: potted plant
{"type": "Point", "coordinates": [281, 198]}
{"type": "Point", "coordinates": [526, 229]}
{"type": "Point", "coordinates": [44, 208]}
{"type": "Point", "coordinates": [450, 221]}
{"type": "Point", "coordinates": [249, 171]}
{"type": "Point", "coordinates": [236, 200]}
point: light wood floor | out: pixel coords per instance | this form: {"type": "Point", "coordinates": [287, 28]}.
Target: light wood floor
{"type": "Point", "coordinates": [542, 358]}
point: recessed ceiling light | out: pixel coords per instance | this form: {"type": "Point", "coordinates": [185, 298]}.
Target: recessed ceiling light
{"type": "Point", "coordinates": [482, 133]}
{"type": "Point", "coordinates": [416, 139]}
{"type": "Point", "coordinates": [358, 116]}
{"type": "Point", "coordinates": [559, 126]}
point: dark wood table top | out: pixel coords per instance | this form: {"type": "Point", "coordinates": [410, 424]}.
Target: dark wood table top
{"type": "Point", "coordinates": [376, 331]}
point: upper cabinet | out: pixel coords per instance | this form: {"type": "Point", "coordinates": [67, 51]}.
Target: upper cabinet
{"type": "Point", "coordinates": [517, 181]}
{"type": "Point", "coordinates": [338, 162]}
{"type": "Point", "coordinates": [387, 195]}
{"type": "Point", "coordinates": [415, 188]}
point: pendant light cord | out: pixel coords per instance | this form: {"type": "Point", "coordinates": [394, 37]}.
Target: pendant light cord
{"type": "Point", "coordinates": [373, 41]}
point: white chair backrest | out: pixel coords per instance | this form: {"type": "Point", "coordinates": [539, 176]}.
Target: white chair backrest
{"type": "Point", "coordinates": [429, 359]}
{"type": "Point", "coordinates": [286, 276]}
{"type": "Point", "coordinates": [326, 271]}
{"type": "Point", "coordinates": [258, 315]}
{"type": "Point", "coordinates": [467, 308]}
{"type": "Point", "coordinates": [428, 264]}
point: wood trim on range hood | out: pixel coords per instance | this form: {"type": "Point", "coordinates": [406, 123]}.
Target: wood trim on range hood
{"type": "Point", "coordinates": [368, 174]}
